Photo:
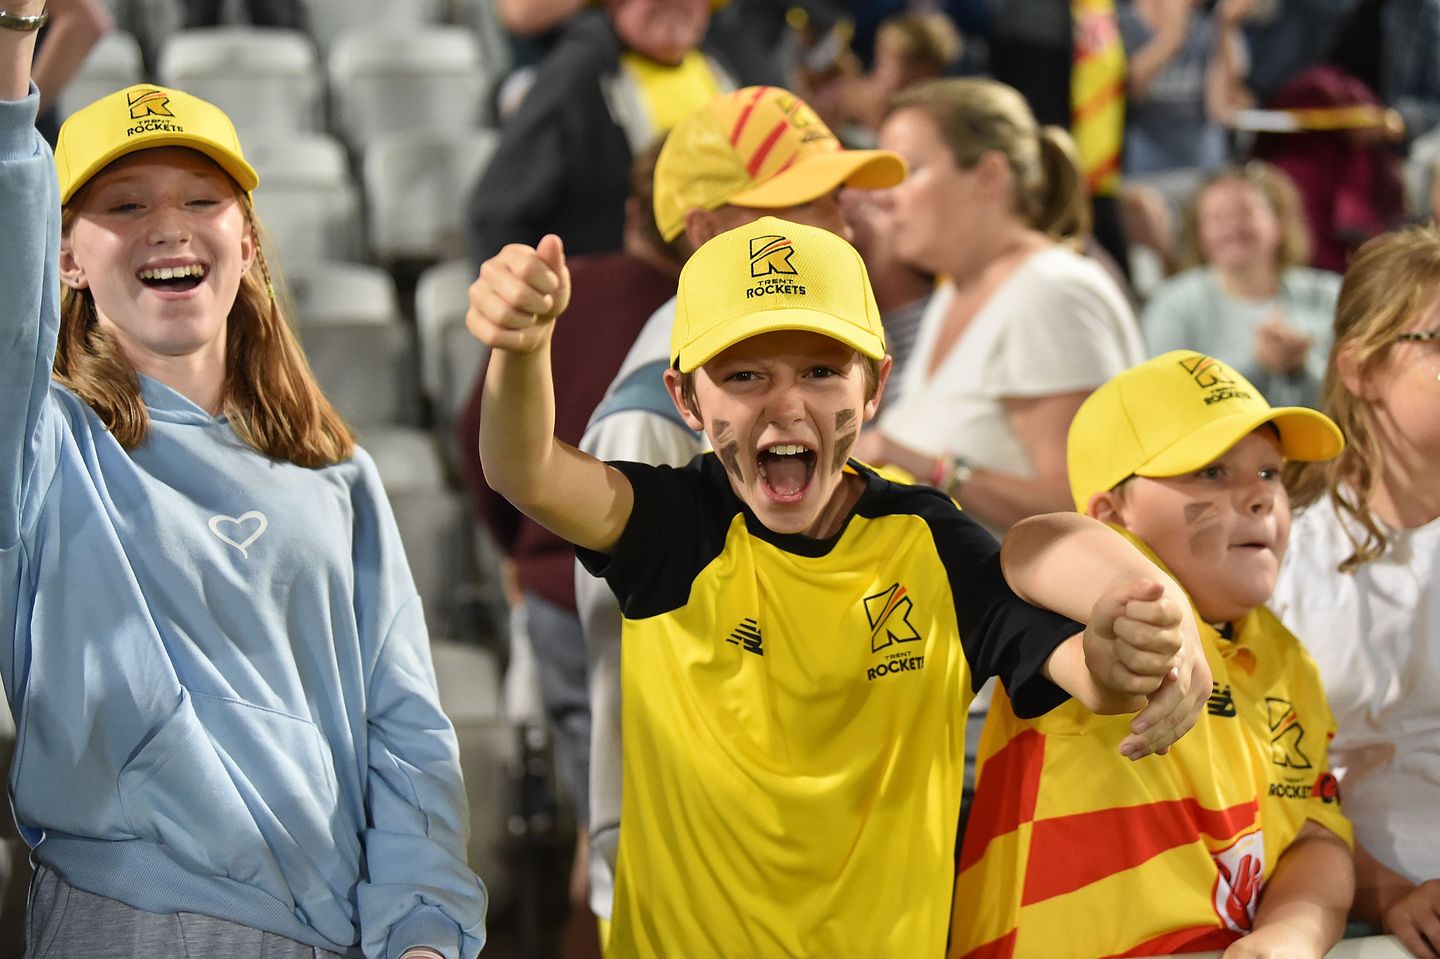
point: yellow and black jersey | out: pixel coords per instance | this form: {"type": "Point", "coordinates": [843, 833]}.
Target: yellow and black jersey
{"type": "Point", "coordinates": [794, 716]}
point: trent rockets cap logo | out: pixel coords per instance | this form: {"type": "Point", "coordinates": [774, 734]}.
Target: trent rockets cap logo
{"type": "Point", "coordinates": [1212, 377]}
{"type": "Point", "coordinates": [771, 254]}
{"type": "Point", "coordinates": [767, 276]}
{"type": "Point", "coordinates": [149, 103]}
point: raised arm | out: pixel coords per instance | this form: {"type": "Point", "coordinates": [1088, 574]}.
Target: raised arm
{"type": "Point", "coordinates": [1167, 37]}
{"type": "Point", "coordinates": [74, 29]}
{"type": "Point", "coordinates": [513, 306]}
{"type": "Point", "coordinates": [1141, 642]}
{"type": "Point", "coordinates": [1225, 89]}
{"type": "Point", "coordinates": [29, 251]}
{"type": "Point", "coordinates": [17, 51]}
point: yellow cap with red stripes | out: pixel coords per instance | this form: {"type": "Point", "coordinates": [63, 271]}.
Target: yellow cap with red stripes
{"type": "Point", "coordinates": [760, 147]}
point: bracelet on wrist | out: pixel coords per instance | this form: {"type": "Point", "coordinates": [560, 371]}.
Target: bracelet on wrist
{"type": "Point", "coordinates": [23, 24]}
{"type": "Point", "coordinates": [959, 474]}
{"type": "Point", "coordinates": [940, 472]}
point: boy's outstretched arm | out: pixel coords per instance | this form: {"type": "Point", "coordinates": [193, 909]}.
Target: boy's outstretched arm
{"type": "Point", "coordinates": [1305, 901]}
{"type": "Point", "coordinates": [1140, 650]}
{"type": "Point", "coordinates": [513, 306]}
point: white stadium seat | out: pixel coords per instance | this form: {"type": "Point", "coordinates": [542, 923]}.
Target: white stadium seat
{"type": "Point", "coordinates": [266, 79]}
{"type": "Point", "coordinates": [113, 64]}
{"type": "Point", "coordinates": [416, 183]}
{"type": "Point", "coordinates": [383, 80]}
{"type": "Point", "coordinates": [307, 200]}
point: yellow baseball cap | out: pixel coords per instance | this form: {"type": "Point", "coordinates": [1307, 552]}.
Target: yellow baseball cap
{"type": "Point", "coordinates": [143, 117]}
{"type": "Point", "coordinates": [1174, 414]}
{"type": "Point", "coordinates": [772, 275]}
{"type": "Point", "coordinates": [760, 147]}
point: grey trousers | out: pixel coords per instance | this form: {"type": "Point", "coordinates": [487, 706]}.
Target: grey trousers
{"type": "Point", "coordinates": [559, 646]}
{"type": "Point", "coordinates": [64, 923]}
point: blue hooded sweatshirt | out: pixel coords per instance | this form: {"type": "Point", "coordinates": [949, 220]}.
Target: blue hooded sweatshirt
{"type": "Point", "coordinates": [217, 661]}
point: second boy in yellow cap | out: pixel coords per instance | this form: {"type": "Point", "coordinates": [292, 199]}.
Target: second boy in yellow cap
{"type": "Point", "coordinates": [1241, 824]}
{"type": "Point", "coordinates": [801, 635]}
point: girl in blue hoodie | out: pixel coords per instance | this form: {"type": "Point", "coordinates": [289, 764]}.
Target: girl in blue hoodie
{"type": "Point", "coordinates": [229, 741]}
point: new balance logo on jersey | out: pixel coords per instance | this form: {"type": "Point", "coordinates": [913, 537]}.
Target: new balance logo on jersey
{"type": "Point", "coordinates": [888, 613]}
{"type": "Point", "coordinates": [747, 636]}
{"type": "Point", "coordinates": [1286, 734]}
{"type": "Point", "coordinates": [1221, 702]}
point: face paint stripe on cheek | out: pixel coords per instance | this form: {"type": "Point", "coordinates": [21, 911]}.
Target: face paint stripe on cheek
{"type": "Point", "coordinates": [726, 447]}
{"type": "Point", "coordinates": [1206, 535]}
{"type": "Point", "coordinates": [1200, 513]}
{"type": "Point", "coordinates": [843, 446]}
{"type": "Point", "coordinates": [845, 443]}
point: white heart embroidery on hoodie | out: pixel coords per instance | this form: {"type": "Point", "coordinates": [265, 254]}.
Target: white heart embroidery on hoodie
{"type": "Point", "coordinates": [240, 524]}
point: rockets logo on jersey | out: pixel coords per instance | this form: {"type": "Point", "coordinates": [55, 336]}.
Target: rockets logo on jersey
{"type": "Point", "coordinates": [1286, 735]}
{"type": "Point", "coordinates": [888, 613]}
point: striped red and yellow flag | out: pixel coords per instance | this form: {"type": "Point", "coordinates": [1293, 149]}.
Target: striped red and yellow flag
{"type": "Point", "coordinates": [1097, 94]}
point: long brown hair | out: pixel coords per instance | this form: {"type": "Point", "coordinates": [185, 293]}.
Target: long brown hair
{"type": "Point", "coordinates": [976, 115]}
{"type": "Point", "coordinates": [1392, 279]}
{"type": "Point", "coordinates": [270, 396]}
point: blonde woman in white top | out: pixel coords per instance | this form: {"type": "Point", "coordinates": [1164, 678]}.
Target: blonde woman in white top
{"type": "Point", "coordinates": [1022, 328]}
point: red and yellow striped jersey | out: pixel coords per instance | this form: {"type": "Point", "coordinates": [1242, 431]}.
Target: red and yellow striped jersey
{"type": "Point", "coordinates": [1073, 851]}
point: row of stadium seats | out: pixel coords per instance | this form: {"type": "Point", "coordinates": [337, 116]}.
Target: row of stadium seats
{"type": "Point", "coordinates": [270, 81]}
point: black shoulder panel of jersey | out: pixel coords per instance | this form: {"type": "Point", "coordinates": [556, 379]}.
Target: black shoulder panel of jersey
{"type": "Point", "coordinates": [676, 528]}
{"type": "Point", "coordinates": [1002, 635]}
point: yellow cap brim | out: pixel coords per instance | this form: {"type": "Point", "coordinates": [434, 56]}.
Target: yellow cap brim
{"type": "Point", "coordinates": [722, 336]}
{"type": "Point", "coordinates": [240, 171]}
{"type": "Point", "coordinates": [1304, 435]}
{"type": "Point", "coordinates": [818, 174]}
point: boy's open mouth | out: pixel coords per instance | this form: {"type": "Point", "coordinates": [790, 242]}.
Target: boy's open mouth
{"type": "Point", "coordinates": [173, 279]}
{"type": "Point", "coordinates": [785, 470]}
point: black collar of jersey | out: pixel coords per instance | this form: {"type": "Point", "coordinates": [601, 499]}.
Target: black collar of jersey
{"type": "Point", "coordinates": [869, 504]}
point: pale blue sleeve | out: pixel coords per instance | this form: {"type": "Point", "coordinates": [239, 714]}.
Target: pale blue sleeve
{"type": "Point", "coordinates": [418, 889]}
{"type": "Point", "coordinates": [29, 299]}
{"type": "Point", "coordinates": [29, 319]}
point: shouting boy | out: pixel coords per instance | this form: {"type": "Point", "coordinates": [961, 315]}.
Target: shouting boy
{"type": "Point", "coordinates": [802, 636]}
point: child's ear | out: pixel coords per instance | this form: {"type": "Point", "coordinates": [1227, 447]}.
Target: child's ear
{"type": "Point", "coordinates": [674, 382]}
{"type": "Point", "coordinates": [1106, 507]}
{"type": "Point", "coordinates": [249, 248]}
{"type": "Point", "coordinates": [701, 225]}
{"type": "Point", "coordinates": [72, 274]}
{"type": "Point", "coordinates": [872, 405]}
{"type": "Point", "coordinates": [1352, 373]}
